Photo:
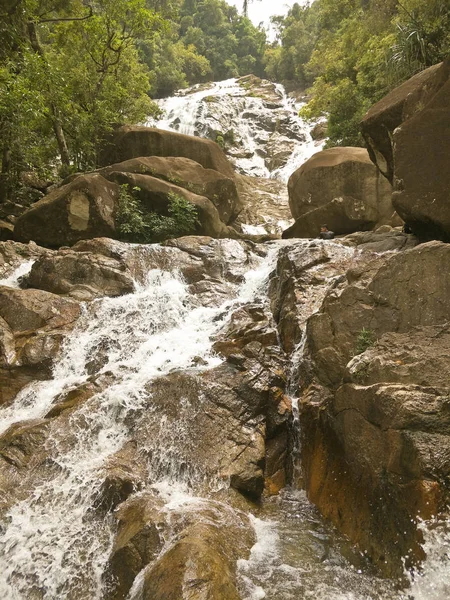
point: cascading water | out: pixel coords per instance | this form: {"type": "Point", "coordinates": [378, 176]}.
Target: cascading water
{"type": "Point", "coordinates": [55, 540]}
{"type": "Point", "coordinates": [52, 544]}
{"type": "Point", "coordinates": [14, 278]}
{"type": "Point", "coordinates": [263, 137]}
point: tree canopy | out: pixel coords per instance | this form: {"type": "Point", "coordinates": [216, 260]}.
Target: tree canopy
{"type": "Point", "coordinates": [352, 52]}
{"type": "Point", "coordinates": [71, 70]}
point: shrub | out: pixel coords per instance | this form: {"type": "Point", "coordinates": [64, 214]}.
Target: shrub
{"type": "Point", "coordinates": [136, 226]}
{"type": "Point", "coordinates": [365, 339]}
{"type": "Point", "coordinates": [129, 217]}
{"type": "Point", "coordinates": [182, 220]}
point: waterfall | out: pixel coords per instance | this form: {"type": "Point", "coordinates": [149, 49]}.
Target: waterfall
{"type": "Point", "coordinates": [13, 280]}
{"type": "Point", "coordinates": [262, 138]}
{"type": "Point", "coordinates": [53, 543]}
{"type": "Point", "coordinates": [55, 538]}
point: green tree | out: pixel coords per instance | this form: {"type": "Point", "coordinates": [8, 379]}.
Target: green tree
{"type": "Point", "coordinates": [77, 72]}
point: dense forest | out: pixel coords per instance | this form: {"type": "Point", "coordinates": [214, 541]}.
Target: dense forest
{"type": "Point", "coordinates": [71, 70]}
{"type": "Point", "coordinates": [352, 52]}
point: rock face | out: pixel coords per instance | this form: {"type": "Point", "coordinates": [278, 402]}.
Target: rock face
{"type": "Point", "coordinates": [187, 174]}
{"type": "Point", "coordinates": [421, 174]}
{"type": "Point", "coordinates": [374, 402]}
{"type": "Point", "coordinates": [266, 205]}
{"type": "Point", "coordinates": [407, 133]}
{"type": "Point", "coordinates": [220, 427]}
{"type": "Point", "coordinates": [201, 559]}
{"type": "Point", "coordinates": [82, 275]}
{"type": "Point", "coordinates": [339, 187]}
{"type": "Point", "coordinates": [33, 324]}
{"type": "Point", "coordinates": [398, 106]}
{"type": "Point", "coordinates": [87, 208]}
{"type": "Point", "coordinates": [79, 210]}
{"type": "Point", "coordinates": [133, 142]}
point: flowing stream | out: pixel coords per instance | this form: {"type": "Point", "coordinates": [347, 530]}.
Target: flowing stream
{"type": "Point", "coordinates": [266, 138]}
{"type": "Point", "coordinates": [54, 545]}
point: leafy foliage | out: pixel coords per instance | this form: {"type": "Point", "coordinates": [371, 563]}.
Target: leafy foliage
{"type": "Point", "coordinates": [366, 338]}
{"type": "Point", "coordinates": [353, 52]}
{"type": "Point", "coordinates": [137, 226]}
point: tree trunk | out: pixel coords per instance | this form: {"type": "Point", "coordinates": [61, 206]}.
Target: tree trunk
{"type": "Point", "coordinates": [6, 159]}
{"type": "Point", "coordinates": [60, 138]}
{"type": "Point", "coordinates": [56, 122]}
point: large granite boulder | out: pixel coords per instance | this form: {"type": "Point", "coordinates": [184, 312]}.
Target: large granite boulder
{"type": "Point", "coordinates": [342, 188]}
{"type": "Point", "coordinates": [133, 142]}
{"type": "Point", "coordinates": [187, 174]}
{"type": "Point", "coordinates": [374, 402]}
{"type": "Point", "coordinates": [155, 195]}
{"type": "Point", "coordinates": [79, 210]}
{"type": "Point", "coordinates": [199, 561]}
{"type": "Point", "coordinates": [421, 174]}
{"type": "Point", "coordinates": [398, 106]}
{"type": "Point", "coordinates": [88, 206]}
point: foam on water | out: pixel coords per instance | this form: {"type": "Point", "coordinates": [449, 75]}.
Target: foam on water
{"type": "Point", "coordinates": [13, 280]}
{"type": "Point", "coordinates": [55, 544]}
{"type": "Point", "coordinates": [54, 541]}
{"type": "Point", "coordinates": [432, 580]}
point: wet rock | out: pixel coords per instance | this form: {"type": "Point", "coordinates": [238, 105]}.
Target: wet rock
{"type": "Point", "coordinates": [402, 103]}
{"type": "Point", "coordinates": [13, 254]}
{"type": "Point", "coordinates": [187, 174]}
{"type": "Point", "coordinates": [72, 399]}
{"type": "Point", "coordinates": [33, 324]}
{"type": "Point", "coordinates": [279, 148]}
{"type": "Point", "coordinates": [21, 440]}
{"type": "Point", "coordinates": [339, 187]}
{"type": "Point", "coordinates": [262, 88]}
{"type": "Point", "coordinates": [200, 553]}
{"type": "Point", "coordinates": [138, 542]}
{"type": "Point", "coordinates": [220, 259]}
{"type": "Point", "coordinates": [29, 310]}
{"type": "Point", "coordinates": [196, 567]}
{"type": "Point", "coordinates": [218, 418]}
{"type": "Point", "coordinates": [266, 205]}
{"type": "Point", "coordinates": [82, 275]}
{"type": "Point", "coordinates": [123, 474]}
{"type": "Point", "coordinates": [133, 142]}
{"type": "Point", "coordinates": [375, 432]}
{"type": "Point", "coordinates": [304, 274]}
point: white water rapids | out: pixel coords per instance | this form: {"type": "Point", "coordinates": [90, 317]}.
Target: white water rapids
{"type": "Point", "coordinates": [54, 545]}
{"type": "Point", "coordinates": [227, 106]}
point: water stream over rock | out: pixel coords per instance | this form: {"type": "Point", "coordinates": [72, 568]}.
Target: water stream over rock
{"type": "Point", "coordinates": [256, 122]}
{"type": "Point", "coordinates": [103, 427]}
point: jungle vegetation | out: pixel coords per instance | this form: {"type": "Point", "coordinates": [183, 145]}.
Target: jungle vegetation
{"type": "Point", "coordinates": [71, 70]}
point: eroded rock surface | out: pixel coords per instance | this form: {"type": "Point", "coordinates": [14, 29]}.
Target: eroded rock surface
{"type": "Point", "coordinates": [374, 402]}
{"type": "Point", "coordinates": [187, 174]}
{"type": "Point", "coordinates": [132, 142]}
{"type": "Point", "coordinates": [380, 122]}
{"type": "Point", "coordinates": [33, 324]}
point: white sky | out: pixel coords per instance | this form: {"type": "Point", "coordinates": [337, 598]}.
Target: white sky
{"type": "Point", "coordinates": [262, 10]}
